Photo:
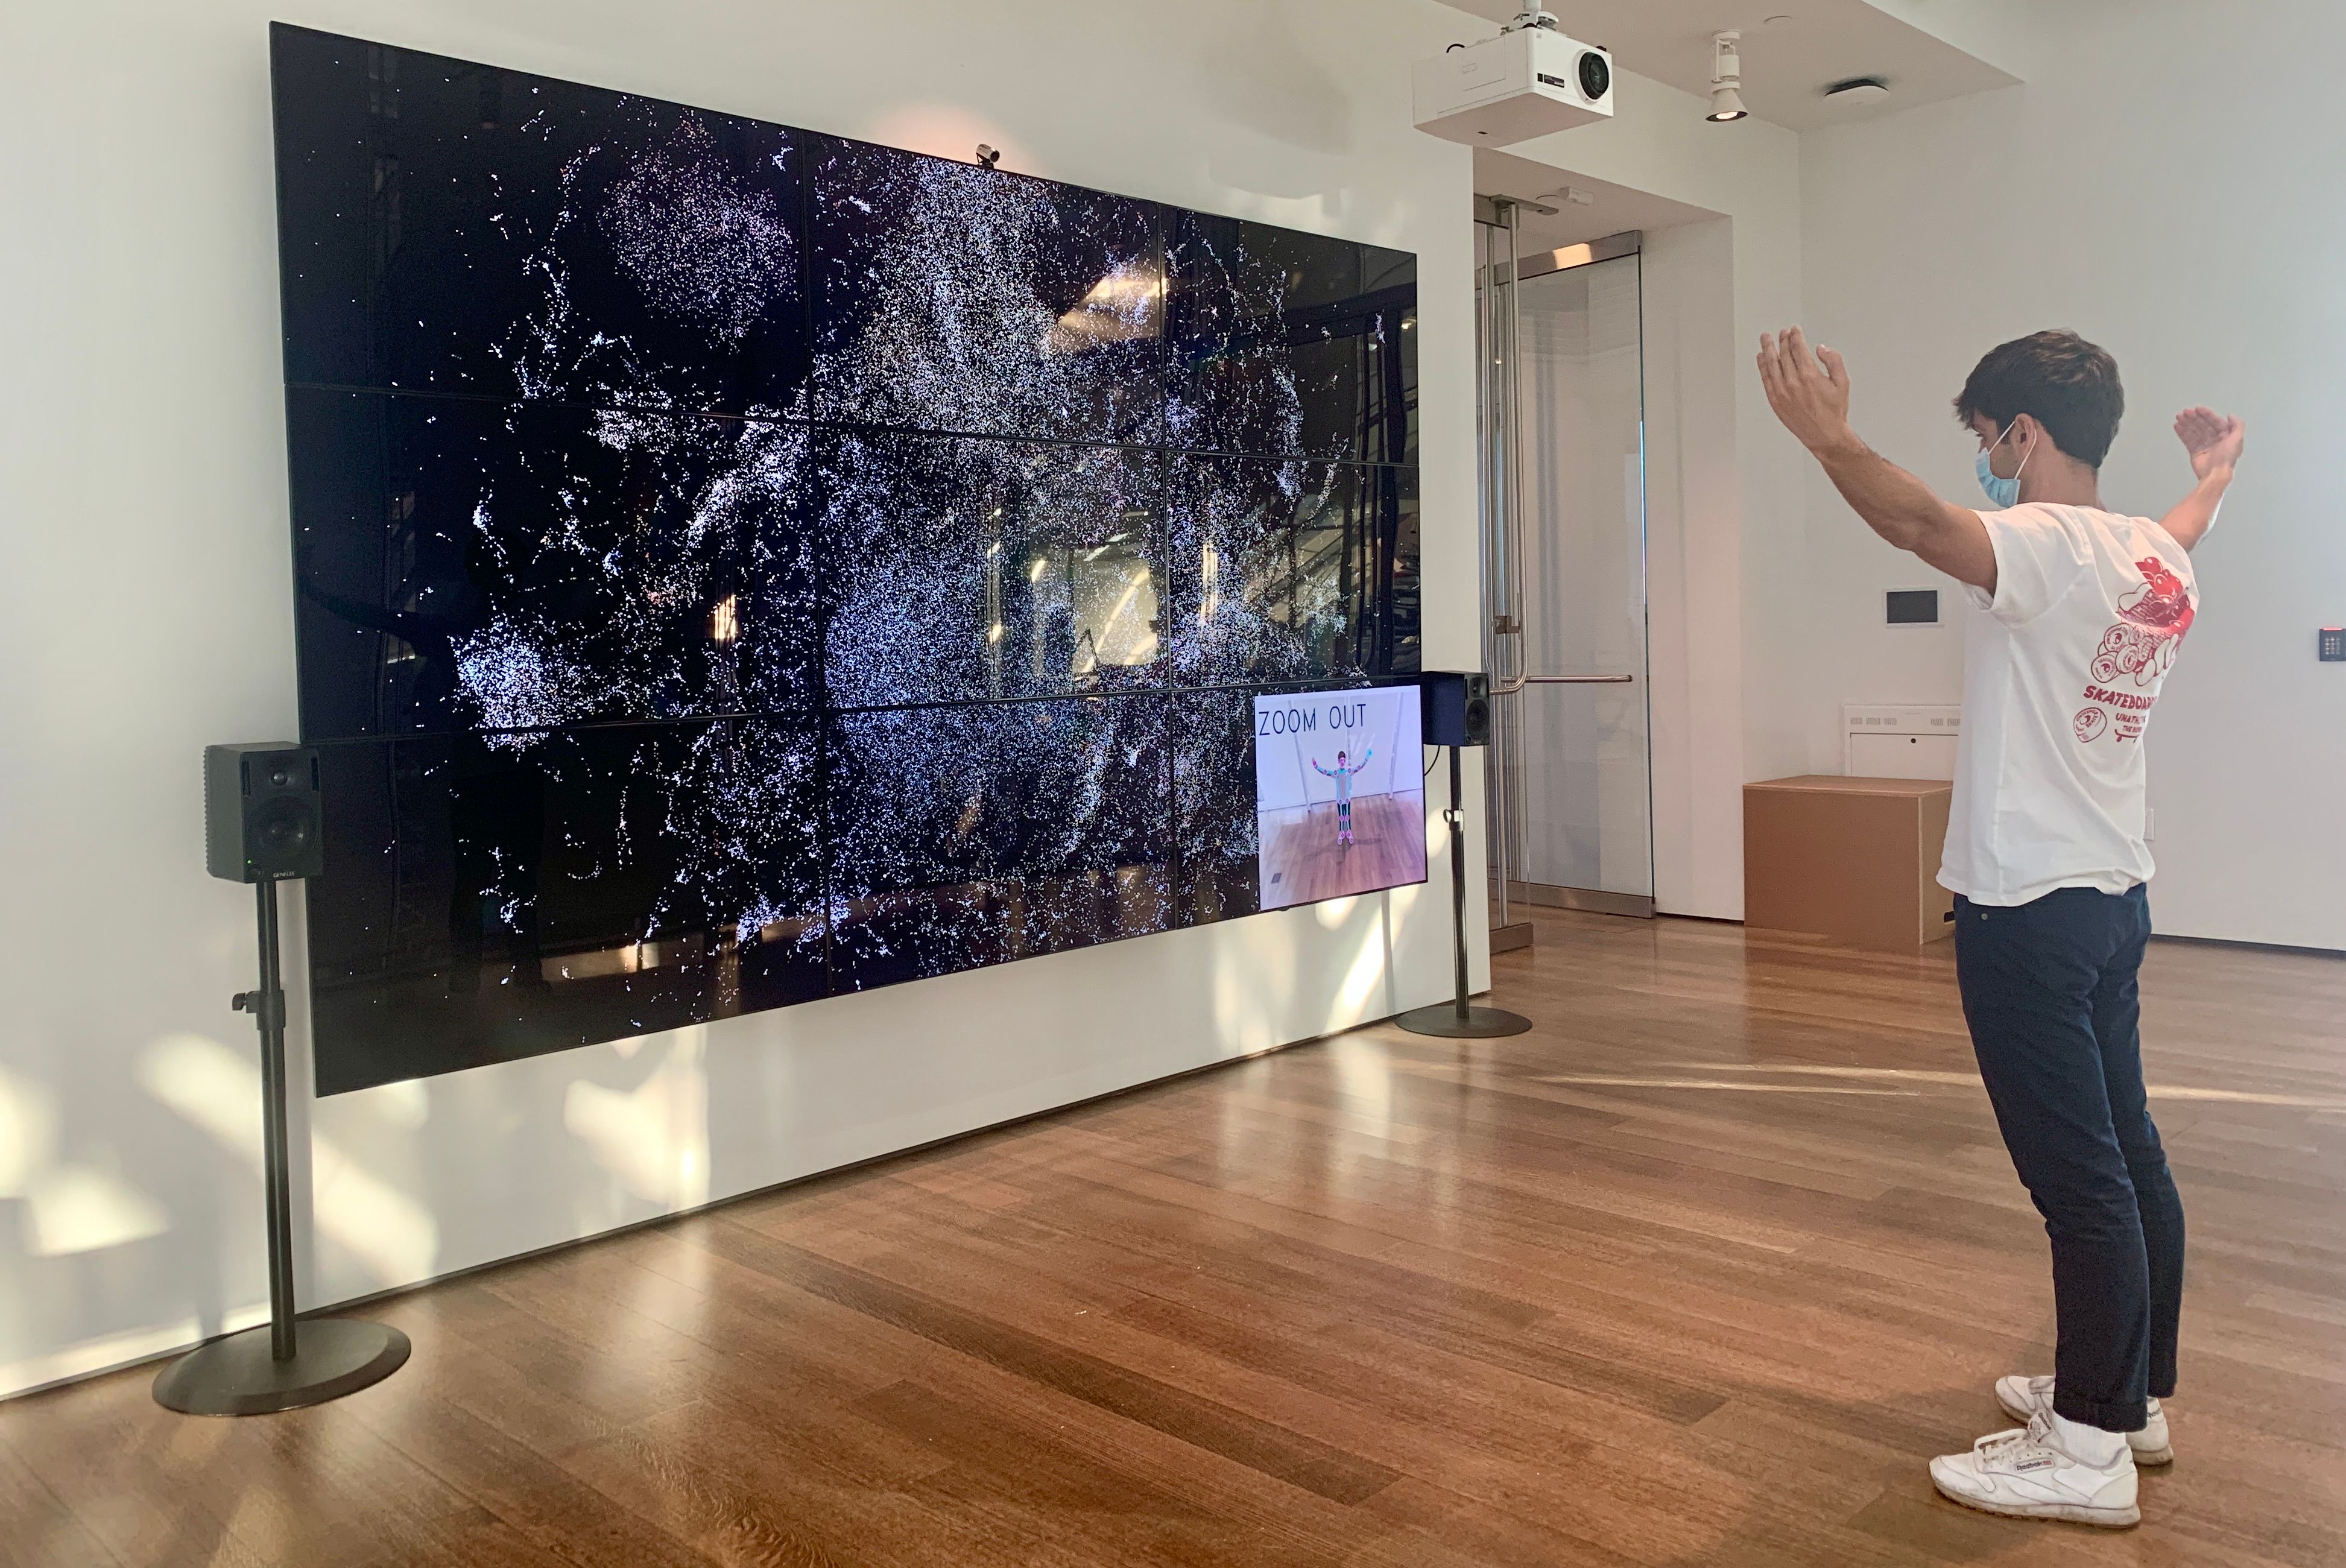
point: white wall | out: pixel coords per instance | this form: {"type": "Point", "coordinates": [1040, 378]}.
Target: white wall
{"type": "Point", "coordinates": [145, 611]}
{"type": "Point", "coordinates": [1724, 501]}
{"type": "Point", "coordinates": [2167, 186]}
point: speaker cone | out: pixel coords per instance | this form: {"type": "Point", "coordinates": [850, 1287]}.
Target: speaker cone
{"type": "Point", "coordinates": [282, 826]}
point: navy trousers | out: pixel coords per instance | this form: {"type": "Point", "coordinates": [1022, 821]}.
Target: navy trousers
{"type": "Point", "coordinates": [2049, 992]}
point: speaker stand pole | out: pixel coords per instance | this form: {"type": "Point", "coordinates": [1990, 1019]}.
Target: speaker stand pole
{"type": "Point", "coordinates": [287, 1363]}
{"type": "Point", "coordinates": [1457, 1019]}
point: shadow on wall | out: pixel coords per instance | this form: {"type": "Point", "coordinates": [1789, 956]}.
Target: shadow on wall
{"type": "Point", "coordinates": [412, 1180]}
{"type": "Point", "coordinates": [90, 1225]}
{"type": "Point", "coordinates": [91, 1219]}
{"type": "Point", "coordinates": [436, 1175]}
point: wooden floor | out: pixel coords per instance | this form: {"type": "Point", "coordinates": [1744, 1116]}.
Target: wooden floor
{"type": "Point", "coordinates": [1302, 863]}
{"type": "Point", "coordinates": [1698, 1272]}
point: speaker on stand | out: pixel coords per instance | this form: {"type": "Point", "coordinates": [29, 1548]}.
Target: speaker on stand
{"type": "Point", "coordinates": [263, 824]}
{"type": "Point", "coordinates": [1457, 714]}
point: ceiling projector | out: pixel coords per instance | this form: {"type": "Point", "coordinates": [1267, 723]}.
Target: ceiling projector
{"type": "Point", "coordinates": [1528, 81]}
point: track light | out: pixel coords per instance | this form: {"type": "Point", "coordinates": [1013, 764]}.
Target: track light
{"type": "Point", "coordinates": [1726, 80]}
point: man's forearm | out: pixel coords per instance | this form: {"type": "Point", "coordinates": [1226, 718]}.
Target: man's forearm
{"type": "Point", "coordinates": [2189, 522]}
{"type": "Point", "coordinates": [1907, 512]}
{"type": "Point", "coordinates": [1810, 392]}
{"type": "Point", "coordinates": [1894, 503]}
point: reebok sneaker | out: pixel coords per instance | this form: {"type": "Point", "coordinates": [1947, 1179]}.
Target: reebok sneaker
{"type": "Point", "coordinates": [2029, 1475]}
{"type": "Point", "coordinates": [2023, 1398]}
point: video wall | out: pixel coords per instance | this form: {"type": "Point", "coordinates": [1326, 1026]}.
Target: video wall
{"type": "Point", "coordinates": [737, 566]}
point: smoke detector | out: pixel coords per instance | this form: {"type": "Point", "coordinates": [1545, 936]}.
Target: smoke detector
{"type": "Point", "coordinates": [1857, 92]}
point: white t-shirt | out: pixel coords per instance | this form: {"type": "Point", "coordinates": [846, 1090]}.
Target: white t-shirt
{"type": "Point", "coordinates": [2060, 669]}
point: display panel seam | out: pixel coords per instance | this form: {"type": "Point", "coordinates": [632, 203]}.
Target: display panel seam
{"type": "Point", "coordinates": [849, 426]}
{"type": "Point", "coordinates": [816, 710]}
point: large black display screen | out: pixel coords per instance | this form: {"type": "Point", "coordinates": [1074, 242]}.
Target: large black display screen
{"type": "Point", "coordinates": [737, 566]}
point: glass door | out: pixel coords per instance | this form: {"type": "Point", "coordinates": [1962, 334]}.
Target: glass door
{"type": "Point", "coordinates": [1574, 799]}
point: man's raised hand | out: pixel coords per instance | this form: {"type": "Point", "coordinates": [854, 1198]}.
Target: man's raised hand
{"type": "Point", "coordinates": [1808, 391]}
{"type": "Point", "coordinates": [2213, 440]}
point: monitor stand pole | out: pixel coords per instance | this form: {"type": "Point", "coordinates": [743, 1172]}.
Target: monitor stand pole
{"type": "Point", "coordinates": [1457, 1019]}
{"type": "Point", "coordinates": [286, 1363]}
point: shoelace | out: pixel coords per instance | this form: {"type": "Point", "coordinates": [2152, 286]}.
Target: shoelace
{"type": "Point", "coordinates": [2035, 1434]}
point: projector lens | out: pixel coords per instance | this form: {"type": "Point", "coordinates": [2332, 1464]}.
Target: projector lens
{"type": "Point", "coordinates": [1595, 76]}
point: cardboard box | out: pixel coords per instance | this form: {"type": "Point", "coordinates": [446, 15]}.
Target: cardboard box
{"type": "Point", "coordinates": [1852, 859]}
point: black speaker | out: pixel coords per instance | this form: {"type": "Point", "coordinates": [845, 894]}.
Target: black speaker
{"type": "Point", "coordinates": [1456, 709]}
{"type": "Point", "coordinates": [261, 817]}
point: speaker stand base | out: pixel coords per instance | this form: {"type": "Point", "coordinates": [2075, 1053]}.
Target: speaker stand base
{"type": "Point", "coordinates": [238, 1376]}
{"type": "Point", "coordinates": [1445, 1022]}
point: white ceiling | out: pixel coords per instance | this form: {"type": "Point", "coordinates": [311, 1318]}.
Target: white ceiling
{"type": "Point", "coordinates": [1787, 62]}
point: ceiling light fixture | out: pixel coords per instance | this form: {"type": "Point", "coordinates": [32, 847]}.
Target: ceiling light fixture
{"type": "Point", "coordinates": [1726, 80]}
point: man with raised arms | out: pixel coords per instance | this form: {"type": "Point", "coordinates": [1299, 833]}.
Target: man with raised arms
{"type": "Point", "coordinates": [2076, 614]}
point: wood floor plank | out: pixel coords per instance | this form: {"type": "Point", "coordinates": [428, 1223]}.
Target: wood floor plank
{"type": "Point", "coordinates": [1313, 1466]}
{"type": "Point", "coordinates": [1093, 1509]}
{"type": "Point", "coordinates": [530, 1493]}
{"type": "Point", "coordinates": [42, 1531]}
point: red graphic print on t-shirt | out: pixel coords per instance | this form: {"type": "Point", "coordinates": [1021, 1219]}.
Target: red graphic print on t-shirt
{"type": "Point", "coordinates": [2154, 618]}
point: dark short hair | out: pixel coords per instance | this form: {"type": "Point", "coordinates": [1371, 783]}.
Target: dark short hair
{"type": "Point", "coordinates": [2070, 385]}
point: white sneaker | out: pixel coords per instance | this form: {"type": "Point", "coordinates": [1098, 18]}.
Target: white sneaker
{"type": "Point", "coordinates": [2023, 1398]}
{"type": "Point", "coordinates": [2029, 1475]}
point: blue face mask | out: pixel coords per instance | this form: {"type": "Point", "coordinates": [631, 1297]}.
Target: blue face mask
{"type": "Point", "coordinates": [2004, 492]}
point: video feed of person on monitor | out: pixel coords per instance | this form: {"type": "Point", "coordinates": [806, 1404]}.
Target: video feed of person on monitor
{"type": "Point", "coordinates": [1340, 799]}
